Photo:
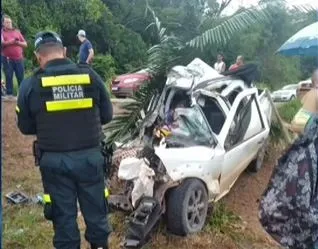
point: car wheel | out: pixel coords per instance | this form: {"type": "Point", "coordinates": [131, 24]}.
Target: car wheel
{"type": "Point", "coordinates": [257, 163]}
{"type": "Point", "coordinates": [292, 97]}
{"type": "Point", "coordinates": [187, 207]}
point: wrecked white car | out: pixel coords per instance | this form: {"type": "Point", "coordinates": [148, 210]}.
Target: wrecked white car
{"type": "Point", "coordinates": [196, 139]}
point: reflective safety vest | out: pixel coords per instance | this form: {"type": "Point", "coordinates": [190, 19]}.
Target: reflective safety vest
{"type": "Point", "coordinates": [67, 115]}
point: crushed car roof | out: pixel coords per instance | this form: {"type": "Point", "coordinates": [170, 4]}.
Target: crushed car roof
{"type": "Point", "coordinates": [197, 71]}
{"type": "Point", "coordinates": [186, 77]}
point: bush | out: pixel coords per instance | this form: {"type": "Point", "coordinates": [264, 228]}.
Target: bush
{"type": "Point", "coordinates": [129, 50]}
{"type": "Point", "coordinates": [288, 111]}
{"type": "Point", "coordinates": [29, 66]}
{"type": "Point", "coordinates": [278, 71]}
{"type": "Point", "coordinates": [104, 65]}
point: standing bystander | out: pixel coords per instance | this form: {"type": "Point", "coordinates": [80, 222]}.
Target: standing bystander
{"type": "Point", "coordinates": [86, 53]}
{"type": "Point", "coordinates": [219, 65]}
{"type": "Point", "coordinates": [239, 62]}
{"type": "Point", "coordinates": [12, 45]}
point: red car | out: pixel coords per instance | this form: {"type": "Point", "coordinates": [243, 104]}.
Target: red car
{"type": "Point", "coordinates": [127, 84]}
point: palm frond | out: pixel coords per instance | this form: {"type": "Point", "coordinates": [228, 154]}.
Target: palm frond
{"type": "Point", "coordinates": [164, 54]}
{"type": "Point", "coordinates": [222, 33]}
{"type": "Point", "coordinates": [303, 8]}
{"type": "Point", "coordinates": [161, 57]}
{"type": "Point", "coordinates": [124, 127]}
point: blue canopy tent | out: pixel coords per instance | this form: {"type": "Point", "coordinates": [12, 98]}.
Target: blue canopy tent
{"type": "Point", "coordinates": [303, 43]}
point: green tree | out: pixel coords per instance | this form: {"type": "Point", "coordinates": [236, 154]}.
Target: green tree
{"type": "Point", "coordinates": [259, 44]}
{"type": "Point", "coordinates": [170, 51]}
{"type": "Point", "coordinates": [120, 28]}
{"type": "Point", "coordinates": [68, 16]}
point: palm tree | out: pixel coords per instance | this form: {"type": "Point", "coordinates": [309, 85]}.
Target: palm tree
{"type": "Point", "coordinates": [171, 51]}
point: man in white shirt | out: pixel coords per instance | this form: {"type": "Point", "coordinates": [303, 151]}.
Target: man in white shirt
{"type": "Point", "coordinates": [219, 65]}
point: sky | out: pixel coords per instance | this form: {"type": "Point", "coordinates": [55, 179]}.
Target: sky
{"type": "Point", "coordinates": [236, 3]}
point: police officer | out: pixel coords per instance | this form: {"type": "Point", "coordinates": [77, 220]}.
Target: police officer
{"type": "Point", "coordinates": [65, 106]}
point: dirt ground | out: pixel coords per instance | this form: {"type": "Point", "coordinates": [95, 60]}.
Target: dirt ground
{"type": "Point", "coordinates": [25, 226]}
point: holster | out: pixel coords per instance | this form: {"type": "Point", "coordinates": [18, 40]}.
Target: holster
{"type": "Point", "coordinates": [37, 153]}
{"type": "Point", "coordinates": [107, 153]}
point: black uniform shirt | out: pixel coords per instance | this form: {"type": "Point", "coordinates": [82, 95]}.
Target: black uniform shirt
{"type": "Point", "coordinates": [26, 112]}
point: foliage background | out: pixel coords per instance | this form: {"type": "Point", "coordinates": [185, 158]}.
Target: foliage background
{"type": "Point", "coordinates": [124, 41]}
{"type": "Point", "coordinates": [121, 36]}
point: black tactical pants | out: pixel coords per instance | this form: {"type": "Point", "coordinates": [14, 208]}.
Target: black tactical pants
{"type": "Point", "coordinates": [70, 177]}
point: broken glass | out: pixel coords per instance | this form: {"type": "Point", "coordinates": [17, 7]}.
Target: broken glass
{"type": "Point", "coordinates": [190, 128]}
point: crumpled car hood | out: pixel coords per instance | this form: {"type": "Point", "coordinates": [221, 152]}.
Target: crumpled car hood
{"type": "Point", "coordinates": [181, 162]}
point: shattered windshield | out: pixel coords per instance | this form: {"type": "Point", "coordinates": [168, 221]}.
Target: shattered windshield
{"type": "Point", "coordinates": [191, 127]}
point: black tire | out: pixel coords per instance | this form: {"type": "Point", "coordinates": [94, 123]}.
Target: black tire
{"type": "Point", "coordinates": [180, 219]}
{"type": "Point", "coordinates": [257, 163]}
{"type": "Point", "coordinates": [292, 97]}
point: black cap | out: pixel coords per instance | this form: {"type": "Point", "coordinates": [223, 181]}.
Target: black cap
{"type": "Point", "coordinates": [46, 37]}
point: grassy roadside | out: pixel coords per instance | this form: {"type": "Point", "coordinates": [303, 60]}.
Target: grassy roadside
{"type": "Point", "coordinates": [25, 227]}
{"type": "Point", "coordinates": [288, 110]}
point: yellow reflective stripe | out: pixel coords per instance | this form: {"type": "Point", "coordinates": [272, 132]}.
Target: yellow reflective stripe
{"type": "Point", "coordinates": [17, 109]}
{"type": "Point", "coordinates": [72, 104]}
{"type": "Point", "coordinates": [62, 80]}
{"type": "Point", "coordinates": [106, 192]}
{"type": "Point", "coordinates": [46, 198]}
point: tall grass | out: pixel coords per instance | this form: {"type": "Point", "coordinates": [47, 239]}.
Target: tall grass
{"type": "Point", "coordinates": [288, 111]}
{"type": "Point", "coordinates": [223, 221]}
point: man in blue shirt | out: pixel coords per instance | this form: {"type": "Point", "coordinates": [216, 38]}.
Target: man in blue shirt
{"type": "Point", "coordinates": [86, 52]}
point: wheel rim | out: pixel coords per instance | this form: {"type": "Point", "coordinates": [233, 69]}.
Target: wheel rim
{"type": "Point", "coordinates": [196, 209]}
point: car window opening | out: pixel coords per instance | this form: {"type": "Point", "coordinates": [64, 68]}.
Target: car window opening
{"type": "Point", "coordinates": [240, 123]}
{"type": "Point", "coordinates": [213, 113]}
{"type": "Point", "coordinates": [233, 94]}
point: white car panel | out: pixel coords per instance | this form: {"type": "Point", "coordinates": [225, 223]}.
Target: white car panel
{"type": "Point", "coordinates": [230, 116]}
{"type": "Point", "coordinates": [199, 162]}
{"type": "Point", "coordinates": [217, 167]}
{"type": "Point", "coordinates": [238, 157]}
{"type": "Point", "coordinates": [257, 125]}
{"type": "Point", "coordinates": [209, 157]}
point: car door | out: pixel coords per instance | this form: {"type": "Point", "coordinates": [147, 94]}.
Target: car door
{"type": "Point", "coordinates": [241, 137]}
